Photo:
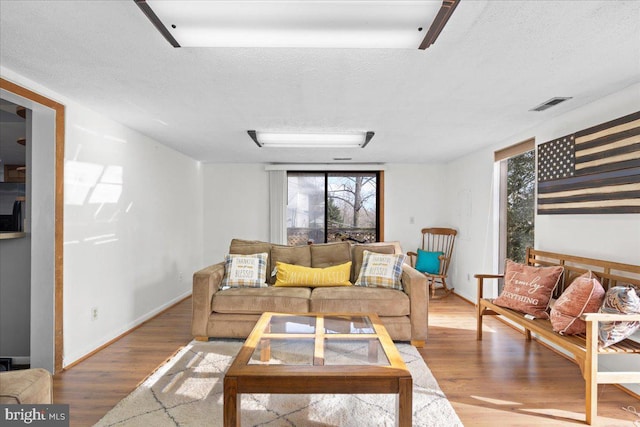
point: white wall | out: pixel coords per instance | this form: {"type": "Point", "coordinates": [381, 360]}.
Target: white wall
{"type": "Point", "coordinates": [132, 226]}
{"type": "Point", "coordinates": [414, 191]}
{"type": "Point", "coordinates": [236, 204]}
{"type": "Point", "coordinates": [610, 237]}
{"type": "Point", "coordinates": [469, 197]}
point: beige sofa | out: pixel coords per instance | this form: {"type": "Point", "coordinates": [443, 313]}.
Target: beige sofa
{"type": "Point", "coordinates": [232, 313]}
{"type": "Point", "coordinates": [26, 386]}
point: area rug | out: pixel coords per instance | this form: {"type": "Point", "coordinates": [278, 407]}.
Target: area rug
{"type": "Point", "coordinates": [188, 391]}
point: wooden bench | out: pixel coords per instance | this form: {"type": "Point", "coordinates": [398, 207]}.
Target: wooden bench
{"type": "Point", "coordinates": [584, 348]}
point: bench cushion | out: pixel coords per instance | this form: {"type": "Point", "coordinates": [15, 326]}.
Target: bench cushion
{"type": "Point", "coordinates": [348, 299]}
{"type": "Point", "coordinates": [259, 300]}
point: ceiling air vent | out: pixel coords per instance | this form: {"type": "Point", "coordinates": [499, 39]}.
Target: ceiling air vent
{"type": "Point", "coordinates": [550, 103]}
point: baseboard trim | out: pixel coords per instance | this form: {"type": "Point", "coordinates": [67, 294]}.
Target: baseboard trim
{"type": "Point", "coordinates": [139, 323]}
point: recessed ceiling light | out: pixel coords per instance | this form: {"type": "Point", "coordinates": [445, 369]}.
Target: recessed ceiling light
{"type": "Point", "coordinates": [310, 140]}
{"type": "Point", "coordinates": [299, 24]}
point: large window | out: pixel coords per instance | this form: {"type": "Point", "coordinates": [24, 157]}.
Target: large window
{"type": "Point", "coordinates": [517, 204]}
{"type": "Point", "coordinates": [332, 206]}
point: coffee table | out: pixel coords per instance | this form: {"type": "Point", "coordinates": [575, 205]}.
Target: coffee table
{"type": "Point", "coordinates": [341, 353]}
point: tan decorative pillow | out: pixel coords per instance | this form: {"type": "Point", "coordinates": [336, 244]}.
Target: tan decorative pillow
{"type": "Point", "coordinates": [528, 289]}
{"type": "Point", "coordinates": [584, 295]}
{"type": "Point", "coordinates": [381, 271]}
{"type": "Point", "coordinates": [245, 271]}
{"type": "Point", "coordinates": [358, 254]}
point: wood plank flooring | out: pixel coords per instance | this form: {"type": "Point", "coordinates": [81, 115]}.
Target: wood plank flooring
{"type": "Point", "coordinates": [500, 381]}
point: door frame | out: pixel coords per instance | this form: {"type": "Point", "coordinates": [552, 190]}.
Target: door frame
{"type": "Point", "coordinates": [59, 111]}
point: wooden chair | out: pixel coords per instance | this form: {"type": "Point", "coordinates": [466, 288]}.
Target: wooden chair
{"type": "Point", "coordinates": [437, 240]}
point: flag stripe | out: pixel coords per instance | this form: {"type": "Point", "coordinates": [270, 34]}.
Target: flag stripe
{"type": "Point", "coordinates": [620, 158]}
{"type": "Point", "coordinates": [598, 210]}
{"type": "Point", "coordinates": [582, 145]}
{"type": "Point", "coordinates": [611, 167]}
{"type": "Point", "coordinates": [614, 145]}
{"type": "Point", "coordinates": [591, 197]}
{"type": "Point", "coordinates": [592, 190]}
{"type": "Point", "coordinates": [592, 204]}
{"type": "Point", "coordinates": [611, 126]}
{"type": "Point", "coordinates": [625, 176]}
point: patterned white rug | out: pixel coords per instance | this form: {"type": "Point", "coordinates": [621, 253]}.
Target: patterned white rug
{"type": "Point", "coordinates": [187, 391]}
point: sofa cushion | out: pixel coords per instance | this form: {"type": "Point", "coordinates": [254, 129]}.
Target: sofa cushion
{"type": "Point", "coordinates": [248, 247]}
{"type": "Point", "coordinates": [259, 300]}
{"type": "Point", "coordinates": [349, 299]}
{"type": "Point", "coordinates": [296, 255]}
{"type": "Point", "coordinates": [297, 275]}
{"type": "Point", "coordinates": [357, 252]}
{"type": "Point", "coordinates": [328, 254]}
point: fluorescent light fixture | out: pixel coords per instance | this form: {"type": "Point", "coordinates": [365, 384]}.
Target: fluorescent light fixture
{"type": "Point", "coordinates": [299, 24]}
{"type": "Point", "coordinates": [310, 140]}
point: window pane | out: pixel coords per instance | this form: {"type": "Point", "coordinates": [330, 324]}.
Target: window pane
{"type": "Point", "coordinates": [351, 210]}
{"type": "Point", "coordinates": [305, 208]}
{"type": "Point", "coordinates": [520, 200]}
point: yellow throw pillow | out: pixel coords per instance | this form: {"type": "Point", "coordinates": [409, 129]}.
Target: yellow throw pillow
{"type": "Point", "coordinates": [296, 275]}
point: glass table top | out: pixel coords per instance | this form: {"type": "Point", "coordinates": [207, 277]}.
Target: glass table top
{"type": "Point", "coordinates": [331, 340]}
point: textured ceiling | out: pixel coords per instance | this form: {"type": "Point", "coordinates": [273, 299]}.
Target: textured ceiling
{"type": "Point", "coordinates": [493, 62]}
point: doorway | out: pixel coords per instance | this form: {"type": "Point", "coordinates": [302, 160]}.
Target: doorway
{"type": "Point", "coordinates": [47, 202]}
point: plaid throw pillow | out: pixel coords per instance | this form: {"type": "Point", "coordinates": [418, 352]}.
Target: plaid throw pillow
{"type": "Point", "coordinates": [381, 270]}
{"type": "Point", "coordinates": [245, 271]}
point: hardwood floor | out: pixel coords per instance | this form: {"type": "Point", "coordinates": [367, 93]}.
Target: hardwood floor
{"type": "Point", "coordinates": [500, 381]}
{"type": "Point", "coordinates": [504, 380]}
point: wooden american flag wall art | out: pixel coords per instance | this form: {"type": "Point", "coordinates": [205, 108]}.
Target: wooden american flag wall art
{"type": "Point", "coordinates": [594, 171]}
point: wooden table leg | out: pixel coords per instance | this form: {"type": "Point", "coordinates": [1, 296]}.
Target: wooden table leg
{"type": "Point", "coordinates": [405, 402]}
{"type": "Point", "coordinates": [231, 403]}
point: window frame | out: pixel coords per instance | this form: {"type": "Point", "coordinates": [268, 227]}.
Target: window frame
{"type": "Point", "coordinates": [501, 158]}
{"type": "Point", "coordinates": [379, 196]}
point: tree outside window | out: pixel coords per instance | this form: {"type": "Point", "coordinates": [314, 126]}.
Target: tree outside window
{"type": "Point", "coordinates": [520, 205]}
{"type": "Point", "coordinates": [332, 206]}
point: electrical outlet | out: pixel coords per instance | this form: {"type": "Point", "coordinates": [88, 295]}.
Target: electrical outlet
{"type": "Point", "coordinates": [468, 277]}
{"type": "Point", "coordinates": [412, 220]}
{"type": "Point", "coordinates": [94, 313]}
{"type": "Point", "coordinates": [180, 277]}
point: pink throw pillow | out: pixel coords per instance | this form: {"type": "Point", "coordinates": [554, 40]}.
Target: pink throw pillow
{"type": "Point", "coordinates": [528, 289]}
{"type": "Point", "coordinates": [584, 295]}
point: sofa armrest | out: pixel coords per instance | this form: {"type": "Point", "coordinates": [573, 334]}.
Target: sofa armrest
{"type": "Point", "coordinates": [206, 283]}
{"type": "Point", "coordinates": [415, 286]}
